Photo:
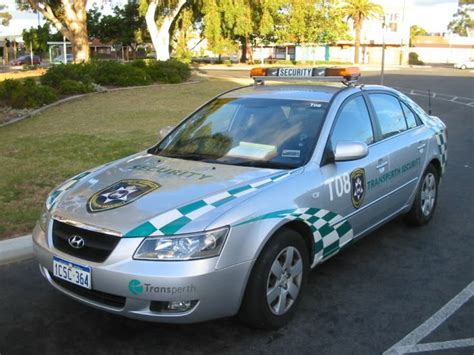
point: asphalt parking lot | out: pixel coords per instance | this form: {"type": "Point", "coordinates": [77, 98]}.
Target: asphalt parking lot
{"type": "Point", "coordinates": [400, 289]}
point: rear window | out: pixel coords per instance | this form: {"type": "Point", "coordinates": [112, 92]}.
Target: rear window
{"type": "Point", "coordinates": [389, 114]}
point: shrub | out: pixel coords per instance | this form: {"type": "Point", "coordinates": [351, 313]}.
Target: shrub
{"type": "Point", "coordinates": [113, 73]}
{"type": "Point", "coordinates": [116, 74]}
{"type": "Point", "coordinates": [413, 59]}
{"type": "Point", "coordinates": [139, 63]}
{"type": "Point", "coordinates": [71, 87]}
{"type": "Point", "coordinates": [170, 71]}
{"type": "Point", "coordinates": [25, 94]}
{"type": "Point", "coordinates": [58, 73]}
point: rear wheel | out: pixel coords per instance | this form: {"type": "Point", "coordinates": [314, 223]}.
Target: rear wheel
{"type": "Point", "coordinates": [426, 198]}
{"type": "Point", "coordinates": [277, 281]}
{"type": "Point", "coordinates": [463, 67]}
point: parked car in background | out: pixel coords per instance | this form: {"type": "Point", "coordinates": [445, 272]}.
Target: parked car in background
{"type": "Point", "coordinates": [26, 60]}
{"type": "Point", "coordinates": [466, 64]}
{"type": "Point", "coordinates": [60, 59]}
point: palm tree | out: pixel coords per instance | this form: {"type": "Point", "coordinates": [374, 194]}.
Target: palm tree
{"type": "Point", "coordinates": [359, 11]}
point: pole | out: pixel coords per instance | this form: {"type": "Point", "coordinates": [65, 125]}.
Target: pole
{"type": "Point", "coordinates": [31, 52]}
{"type": "Point", "coordinates": [383, 51]}
{"type": "Point", "coordinates": [64, 50]}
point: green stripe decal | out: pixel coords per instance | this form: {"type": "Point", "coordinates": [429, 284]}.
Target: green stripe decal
{"type": "Point", "coordinates": [331, 249]}
{"type": "Point", "coordinates": [239, 189]}
{"type": "Point", "coordinates": [192, 207]}
{"type": "Point", "coordinates": [277, 214]}
{"type": "Point", "coordinates": [324, 231]}
{"type": "Point", "coordinates": [343, 228]}
{"type": "Point", "coordinates": [171, 221]}
{"type": "Point", "coordinates": [329, 216]}
{"type": "Point", "coordinates": [145, 229]}
{"type": "Point", "coordinates": [224, 200]}
{"type": "Point", "coordinates": [174, 226]}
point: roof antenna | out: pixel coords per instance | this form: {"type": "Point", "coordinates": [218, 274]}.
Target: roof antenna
{"type": "Point", "coordinates": [429, 102]}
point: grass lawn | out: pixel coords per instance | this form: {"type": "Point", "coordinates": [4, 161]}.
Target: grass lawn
{"type": "Point", "coordinates": [42, 151]}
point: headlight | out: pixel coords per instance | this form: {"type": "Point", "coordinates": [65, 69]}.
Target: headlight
{"type": "Point", "coordinates": [43, 220]}
{"type": "Point", "coordinates": [183, 247]}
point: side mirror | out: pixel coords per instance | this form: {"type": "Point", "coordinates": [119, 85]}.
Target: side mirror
{"type": "Point", "coordinates": [346, 151]}
{"type": "Point", "coordinates": [164, 132]}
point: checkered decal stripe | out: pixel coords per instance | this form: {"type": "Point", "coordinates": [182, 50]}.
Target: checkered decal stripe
{"type": "Point", "coordinates": [330, 232]}
{"type": "Point", "coordinates": [172, 221]}
{"type": "Point", "coordinates": [53, 196]}
{"type": "Point", "coordinates": [443, 148]}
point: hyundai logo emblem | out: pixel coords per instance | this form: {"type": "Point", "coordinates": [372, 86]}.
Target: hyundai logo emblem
{"type": "Point", "coordinates": [76, 241]}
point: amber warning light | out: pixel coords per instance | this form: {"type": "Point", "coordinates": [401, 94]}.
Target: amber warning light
{"type": "Point", "coordinates": [349, 74]}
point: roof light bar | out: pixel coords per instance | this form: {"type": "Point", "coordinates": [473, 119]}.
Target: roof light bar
{"type": "Point", "coordinates": [347, 75]}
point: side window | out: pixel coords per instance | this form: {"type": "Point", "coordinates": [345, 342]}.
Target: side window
{"type": "Point", "coordinates": [409, 115]}
{"type": "Point", "coordinates": [353, 123]}
{"type": "Point", "coordinates": [389, 114]}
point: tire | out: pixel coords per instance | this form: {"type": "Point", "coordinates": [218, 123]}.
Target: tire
{"type": "Point", "coordinates": [463, 67]}
{"type": "Point", "coordinates": [426, 198]}
{"type": "Point", "coordinates": [275, 310]}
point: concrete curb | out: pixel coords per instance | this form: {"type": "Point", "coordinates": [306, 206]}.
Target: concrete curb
{"type": "Point", "coordinates": [16, 249]}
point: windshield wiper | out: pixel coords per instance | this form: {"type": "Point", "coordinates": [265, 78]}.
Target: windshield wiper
{"type": "Point", "coordinates": [186, 156]}
{"type": "Point", "coordinates": [265, 164]}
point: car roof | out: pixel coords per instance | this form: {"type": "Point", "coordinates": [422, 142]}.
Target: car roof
{"type": "Point", "coordinates": [322, 93]}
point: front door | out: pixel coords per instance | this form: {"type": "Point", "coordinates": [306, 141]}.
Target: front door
{"type": "Point", "coordinates": [347, 183]}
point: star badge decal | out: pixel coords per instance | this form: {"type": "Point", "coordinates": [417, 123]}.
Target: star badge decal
{"type": "Point", "coordinates": [120, 194]}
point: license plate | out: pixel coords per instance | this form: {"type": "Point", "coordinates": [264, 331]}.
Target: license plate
{"type": "Point", "coordinates": [79, 275]}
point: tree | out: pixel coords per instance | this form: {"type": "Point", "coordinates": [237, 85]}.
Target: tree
{"type": "Point", "coordinates": [359, 11]}
{"type": "Point", "coordinates": [228, 21]}
{"type": "Point", "coordinates": [223, 21]}
{"type": "Point", "coordinates": [182, 35]}
{"type": "Point", "coordinates": [159, 16]}
{"type": "Point", "coordinates": [69, 17]}
{"type": "Point", "coordinates": [312, 21]}
{"type": "Point", "coordinates": [94, 27]}
{"type": "Point", "coordinates": [126, 27]}
{"type": "Point", "coordinates": [416, 30]}
{"type": "Point", "coordinates": [461, 22]}
{"type": "Point", "coordinates": [5, 15]}
{"type": "Point", "coordinates": [37, 38]}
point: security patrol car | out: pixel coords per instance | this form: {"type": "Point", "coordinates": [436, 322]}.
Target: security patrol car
{"type": "Point", "coordinates": [228, 213]}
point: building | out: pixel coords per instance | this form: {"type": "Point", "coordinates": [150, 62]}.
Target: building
{"type": "Point", "coordinates": [391, 30]}
{"type": "Point", "coordinates": [443, 50]}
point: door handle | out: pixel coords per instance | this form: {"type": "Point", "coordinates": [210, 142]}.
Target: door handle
{"type": "Point", "coordinates": [382, 165]}
{"type": "Point", "coordinates": [421, 146]}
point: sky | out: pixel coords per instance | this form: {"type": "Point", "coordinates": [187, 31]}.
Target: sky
{"type": "Point", "coordinates": [433, 15]}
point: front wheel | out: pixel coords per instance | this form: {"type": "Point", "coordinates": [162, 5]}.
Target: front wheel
{"type": "Point", "coordinates": [426, 197]}
{"type": "Point", "coordinates": [277, 281]}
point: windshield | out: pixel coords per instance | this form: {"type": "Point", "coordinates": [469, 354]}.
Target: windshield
{"type": "Point", "coordinates": [271, 133]}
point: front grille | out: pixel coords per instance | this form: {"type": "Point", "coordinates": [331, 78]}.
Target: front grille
{"type": "Point", "coordinates": [97, 246]}
{"type": "Point", "coordinates": [93, 295]}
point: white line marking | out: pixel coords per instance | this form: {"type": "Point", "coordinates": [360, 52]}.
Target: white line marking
{"type": "Point", "coordinates": [433, 322]}
{"type": "Point", "coordinates": [454, 98]}
{"type": "Point", "coordinates": [444, 345]}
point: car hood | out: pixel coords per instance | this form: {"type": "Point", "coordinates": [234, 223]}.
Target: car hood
{"type": "Point", "coordinates": [167, 185]}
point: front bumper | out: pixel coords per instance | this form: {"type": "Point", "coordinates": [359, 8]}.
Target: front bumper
{"type": "Point", "coordinates": [215, 292]}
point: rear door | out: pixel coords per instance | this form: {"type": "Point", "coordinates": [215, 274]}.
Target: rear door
{"type": "Point", "coordinates": [403, 136]}
{"type": "Point", "coordinates": [346, 182]}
